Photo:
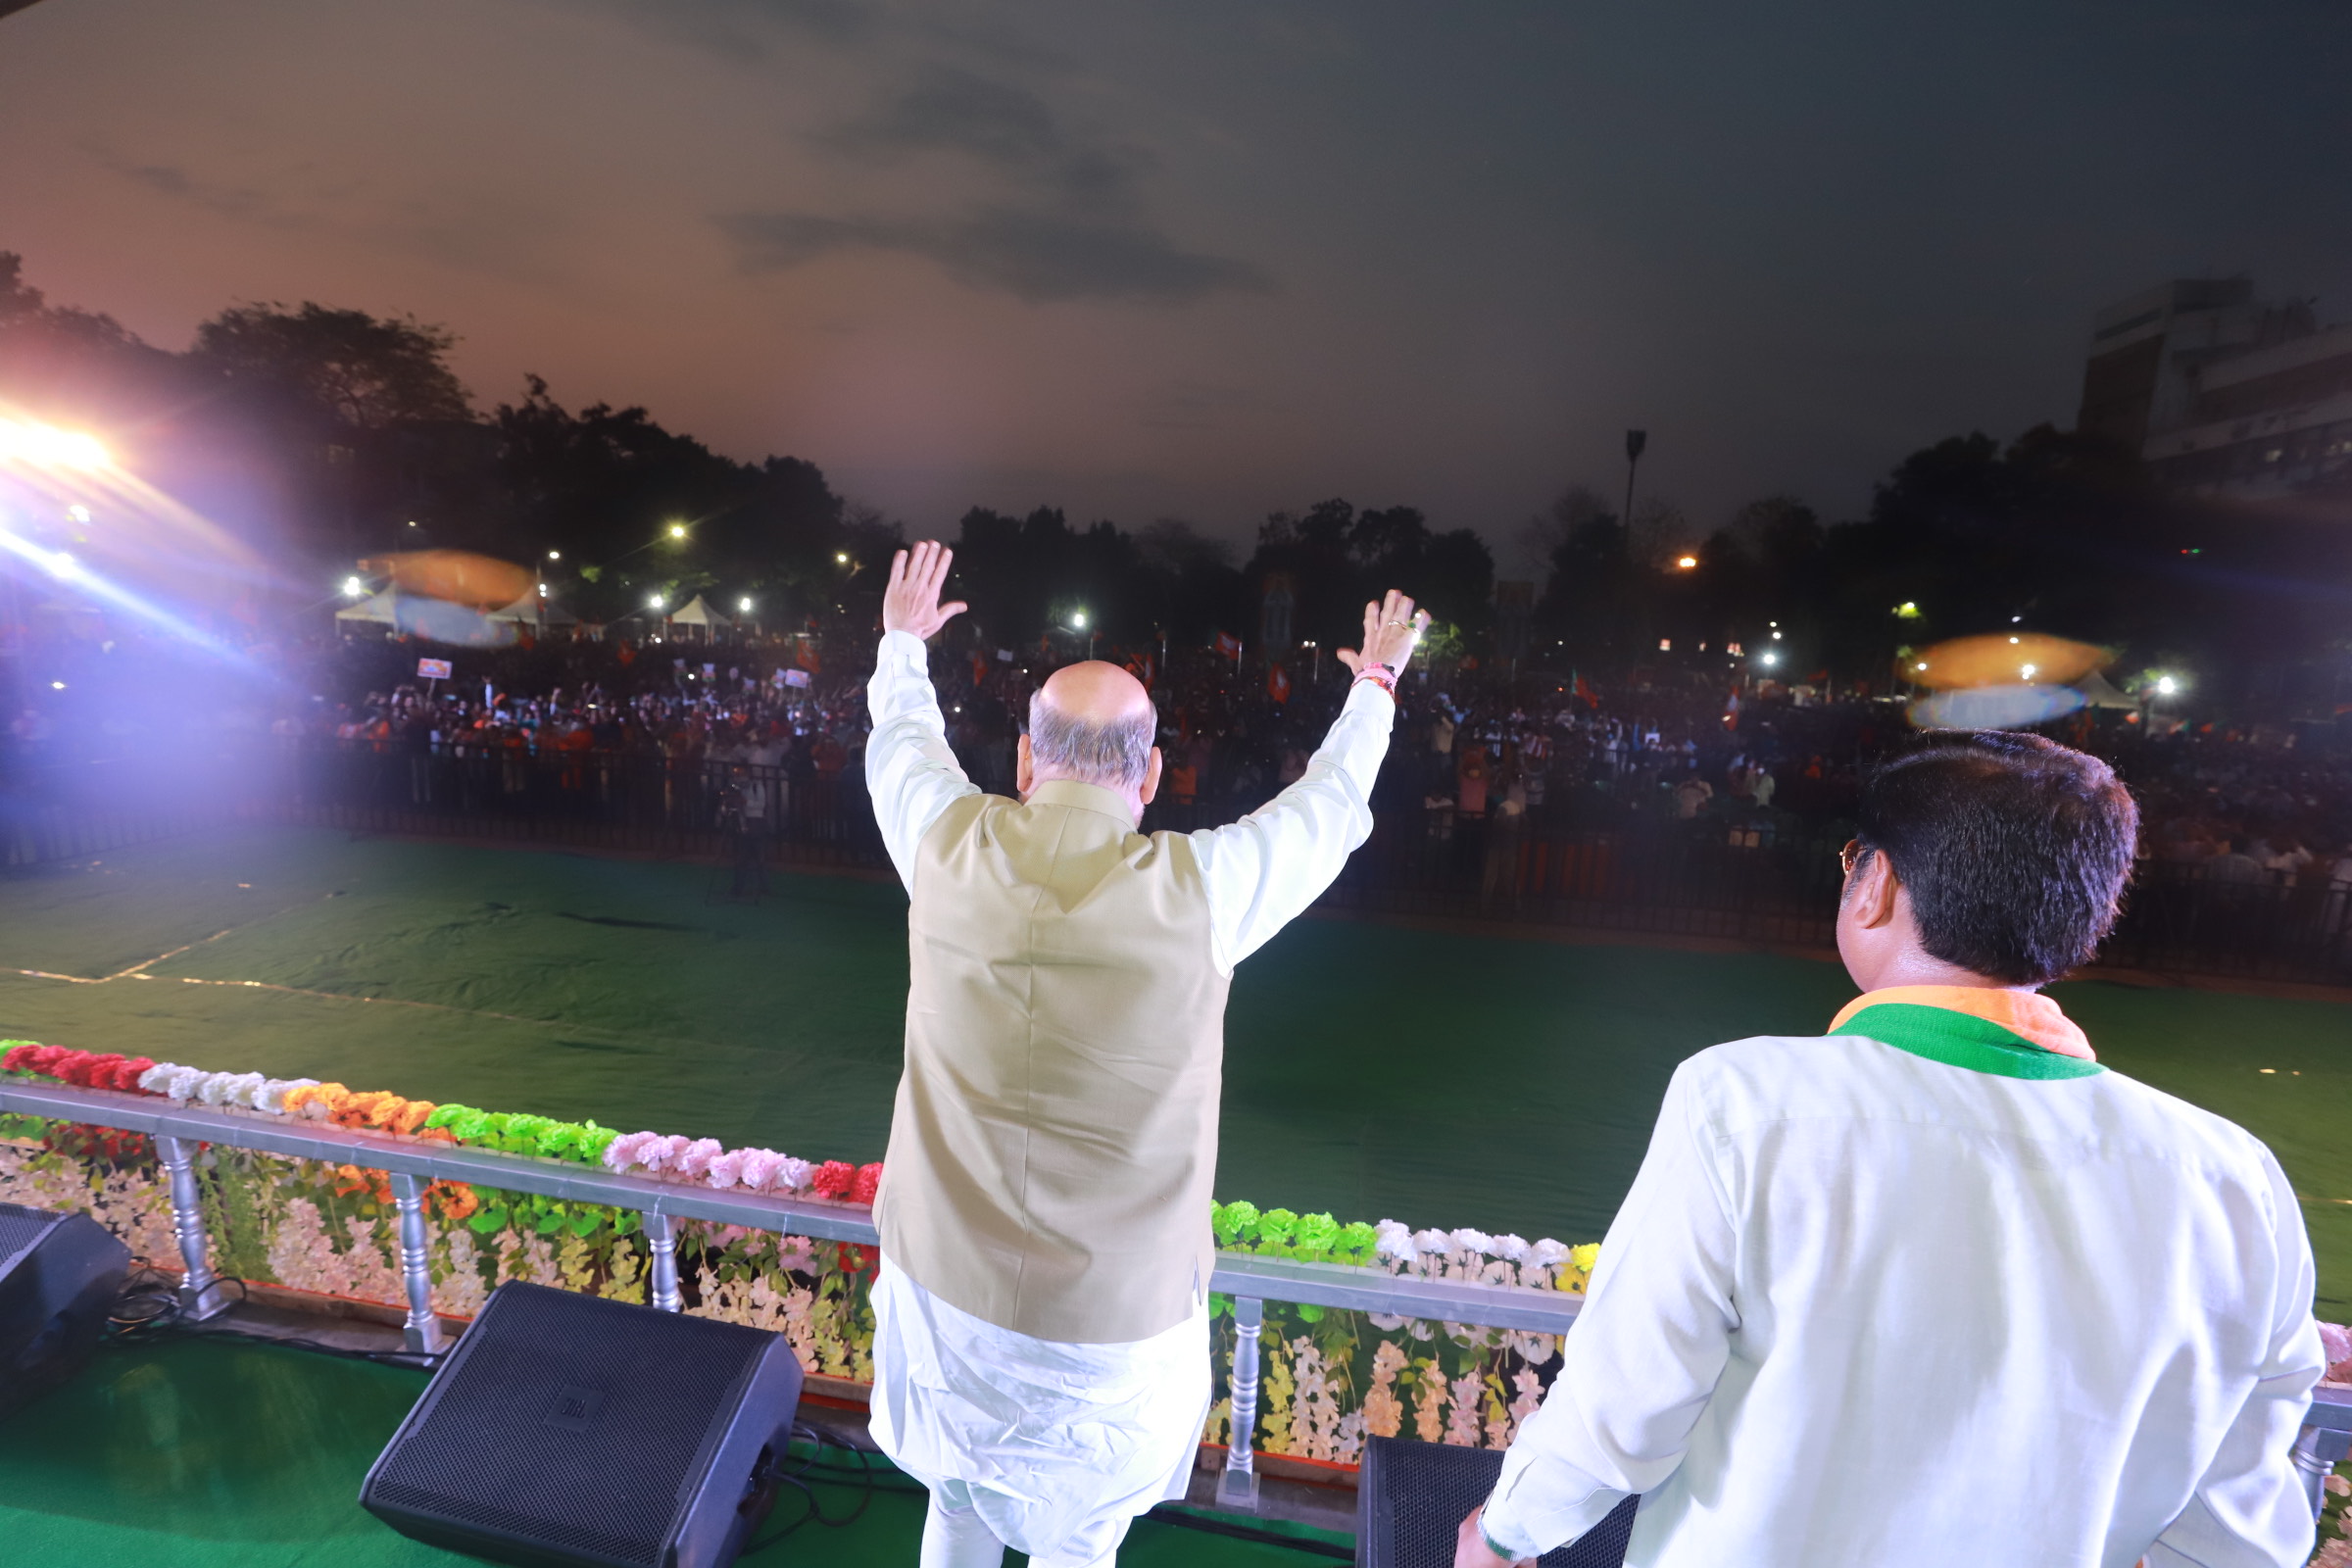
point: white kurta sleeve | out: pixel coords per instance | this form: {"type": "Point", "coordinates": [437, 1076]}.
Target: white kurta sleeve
{"type": "Point", "coordinates": [1262, 871]}
{"type": "Point", "coordinates": [1643, 1357]}
{"type": "Point", "coordinates": [2250, 1509]}
{"type": "Point", "coordinates": [910, 770]}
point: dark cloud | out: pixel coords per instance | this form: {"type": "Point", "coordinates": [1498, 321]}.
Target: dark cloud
{"type": "Point", "coordinates": [740, 28]}
{"type": "Point", "coordinates": [244, 203]}
{"type": "Point", "coordinates": [1005, 126]}
{"type": "Point", "coordinates": [1040, 257]}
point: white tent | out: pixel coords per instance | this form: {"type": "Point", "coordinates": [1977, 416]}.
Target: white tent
{"type": "Point", "coordinates": [532, 610]}
{"type": "Point", "coordinates": [696, 611]}
{"type": "Point", "coordinates": [377, 609]}
{"type": "Point", "coordinates": [2099, 692]}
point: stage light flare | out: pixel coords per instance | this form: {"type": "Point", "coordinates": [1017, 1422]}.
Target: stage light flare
{"type": "Point", "coordinates": [555, 555]}
{"type": "Point", "coordinates": [77, 514]}
{"type": "Point", "coordinates": [45, 446]}
{"type": "Point", "coordinates": [1769, 660]}
{"type": "Point", "coordinates": [1686, 562]}
{"type": "Point", "coordinates": [841, 558]}
{"type": "Point", "coordinates": [354, 588]}
{"type": "Point", "coordinates": [657, 601]}
{"type": "Point", "coordinates": [677, 530]}
{"type": "Point", "coordinates": [2166, 686]}
{"type": "Point", "coordinates": [1078, 620]}
{"type": "Point", "coordinates": [744, 605]}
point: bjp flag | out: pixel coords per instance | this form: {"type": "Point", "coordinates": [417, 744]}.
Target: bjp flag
{"type": "Point", "coordinates": [1278, 684]}
{"type": "Point", "coordinates": [1230, 646]}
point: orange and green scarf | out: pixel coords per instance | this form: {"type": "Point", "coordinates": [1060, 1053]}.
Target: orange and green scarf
{"type": "Point", "coordinates": [2010, 1034]}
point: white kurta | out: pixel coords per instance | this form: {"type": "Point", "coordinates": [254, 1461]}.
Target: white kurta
{"type": "Point", "coordinates": [1058, 1445]}
{"type": "Point", "coordinates": [1862, 1307]}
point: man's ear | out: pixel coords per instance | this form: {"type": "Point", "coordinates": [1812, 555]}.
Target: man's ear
{"type": "Point", "coordinates": [1876, 888]}
{"type": "Point", "coordinates": [1025, 770]}
{"type": "Point", "coordinates": [1151, 780]}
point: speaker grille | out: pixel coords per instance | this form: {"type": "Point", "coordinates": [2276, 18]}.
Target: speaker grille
{"type": "Point", "coordinates": [577, 1423]}
{"type": "Point", "coordinates": [1417, 1494]}
{"type": "Point", "coordinates": [20, 1228]}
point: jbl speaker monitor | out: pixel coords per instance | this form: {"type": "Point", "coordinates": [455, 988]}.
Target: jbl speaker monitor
{"type": "Point", "coordinates": [1412, 1498]}
{"type": "Point", "coordinates": [59, 1276]}
{"type": "Point", "coordinates": [566, 1430]}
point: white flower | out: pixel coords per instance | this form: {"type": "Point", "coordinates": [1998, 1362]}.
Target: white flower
{"type": "Point", "coordinates": [154, 1077]}
{"type": "Point", "coordinates": [1433, 1242]}
{"type": "Point", "coordinates": [1396, 1241]}
{"type": "Point", "coordinates": [272, 1096]}
{"type": "Point", "coordinates": [1512, 1248]}
{"type": "Point", "coordinates": [1547, 1254]}
{"type": "Point", "coordinates": [217, 1088]}
{"type": "Point", "coordinates": [1470, 1241]}
{"type": "Point", "coordinates": [183, 1083]}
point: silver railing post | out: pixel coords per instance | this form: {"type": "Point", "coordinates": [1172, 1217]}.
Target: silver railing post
{"type": "Point", "coordinates": [201, 1293]}
{"type": "Point", "coordinates": [423, 1330]}
{"type": "Point", "coordinates": [2316, 1452]}
{"type": "Point", "coordinates": [1237, 1487]}
{"type": "Point", "coordinates": [665, 1242]}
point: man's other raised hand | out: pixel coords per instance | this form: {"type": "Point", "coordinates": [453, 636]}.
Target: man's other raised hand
{"type": "Point", "coordinates": [1393, 629]}
{"type": "Point", "coordinates": [910, 604]}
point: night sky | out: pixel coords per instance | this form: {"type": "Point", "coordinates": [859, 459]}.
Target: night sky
{"type": "Point", "coordinates": [1206, 260]}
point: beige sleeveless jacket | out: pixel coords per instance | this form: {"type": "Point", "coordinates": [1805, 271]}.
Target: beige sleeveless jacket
{"type": "Point", "coordinates": [1055, 1138]}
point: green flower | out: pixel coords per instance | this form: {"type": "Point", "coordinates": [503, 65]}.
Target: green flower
{"type": "Point", "coordinates": [444, 1115]}
{"type": "Point", "coordinates": [470, 1126]}
{"type": "Point", "coordinates": [1274, 1230]}
{"type": "Point", "coordinates": [1357, 1244]}
{"type": "Point", "coordinates": [1234, 1223]}
{"type": "Point", "coordinates": [1316, 1234]}
{"type": "Point", "coordinates": [594, 1140]}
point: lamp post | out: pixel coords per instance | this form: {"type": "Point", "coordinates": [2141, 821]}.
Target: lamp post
{"type": "Point", "coordinates": [1636, 443]}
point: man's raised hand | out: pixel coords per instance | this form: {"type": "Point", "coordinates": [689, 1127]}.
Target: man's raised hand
{"type": "Point", "coordinates": [1392, 629]}
{"type": "Point", "coordinates": [910, 604]}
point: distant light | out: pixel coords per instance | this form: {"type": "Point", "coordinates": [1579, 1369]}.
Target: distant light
{"type": "Point", "coordinates": [412, 523]}
{"type": "Point", "coordinates": [1771, 624]}
{"type": "Point", "coordinates": [2015, 620]}
{"type": "Point", "coordinates": [2165, 685]}
{"type": "Point", "coordinates": [1686, 562]}
{"type": "Point", "coordinates": [2013, 642]}
{"type": "Point", "coordinates": [677, 530]}
{"type": "Point", "coordinates": [1920, 665]}
{"type": "Point", "coordinates": [62, 564]}
{"type": "Point", "coordinates": [45, 446]}
{"type": "Point", "coordinates": [1908, 610]}
{"type": "Point", "coordinates": [841, 558]}
{"type": "Point", "coordinates": [656, 601]}
{"type": "Point", "coordinates": [78, 513]}
{"type": "Point", "coordinates": [354, 588]}
{"type": "Point", "coordinates": [1769, 660]}
{"type": "Point", "coordinates": [555, 555]}
{"type": "Point", "coordinates": [57, 685]}
{"type": "Point", "coordinates": [2026, 671]}
{"type": "Point", "coordinates": [1079, 620]}
{"type": "Point", "coordinates": [1775, 636]}
{"type": "Point", "coordinates": [1665, 645]}
{"type": "Point", "coordinates": [543, 590]}
{"type": "Point", "coordinates": [744, 605]}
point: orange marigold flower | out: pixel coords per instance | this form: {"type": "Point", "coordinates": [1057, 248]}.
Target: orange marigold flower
{"type": "Point", "coordinates": [453, 1200]}
{"type": "Point", "coordinates": [410, 1115]}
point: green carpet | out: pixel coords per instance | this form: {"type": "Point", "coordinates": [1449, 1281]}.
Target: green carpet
{"type": "Point", "coordinates": [1371, 1070]}
{"type": "Point", "coordinates": [193, 1455]}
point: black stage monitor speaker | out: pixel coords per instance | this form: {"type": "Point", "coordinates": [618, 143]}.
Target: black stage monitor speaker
{"type": "Point", "coordinates": [59, 1277]}
{"type": "Point", "coordinates": [567, 1430]}
{"type": "Point", "coordinates": [1412, 1497]}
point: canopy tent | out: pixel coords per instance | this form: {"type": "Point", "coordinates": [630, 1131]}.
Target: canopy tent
{"type": "Point", "coordinates": [696, 611]}
{"type": "Point", "coordinates": [377, 609]}
{"type": "Point", "coordinates": [2099, 692]}
{"type": "Point", "coordinates": [533, 610]}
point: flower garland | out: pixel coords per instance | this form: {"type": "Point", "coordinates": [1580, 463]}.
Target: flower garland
{"type": "Point", "coordinates": [1239, 1226]}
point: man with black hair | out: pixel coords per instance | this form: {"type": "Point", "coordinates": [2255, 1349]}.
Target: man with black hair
{"type": "Point", "coordinates": [1937, 1287]}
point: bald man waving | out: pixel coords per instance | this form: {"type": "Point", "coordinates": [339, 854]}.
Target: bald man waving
{"type": "Point", "coordinates": [1041, 1314]}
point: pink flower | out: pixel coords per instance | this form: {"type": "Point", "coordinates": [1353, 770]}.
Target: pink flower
{"type": "Point", "coordinates": [628, 1150]}
{"type": "Point", "coordinates": [759, 1168]}
{"type": "Point", "coordinates": [727, 1169]}
{"type": "Point", "coordinates": [662, 1153]}
{"type": "Point", "coordinates": [795, 1252]}
{"type": "Point", "coordinates": [793, 1176]}
{"type": "Point", "coordinates": [696, 1157]}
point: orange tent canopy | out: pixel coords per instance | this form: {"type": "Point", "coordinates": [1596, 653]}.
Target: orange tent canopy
{"type": "Point", "coordinates": [2019, 659]}
{"type": "Point", "coordinates": [455, 576]}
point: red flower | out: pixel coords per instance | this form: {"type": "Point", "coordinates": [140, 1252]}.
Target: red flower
{"type": "Point", "coordinates": [833, 1179]}
{"type": "Point", "coordinates": [869, 1182]}
{"type": "Point", "coordinates": [127, 1076]}
{"type": "Point", "coordinates": [16, 1058]}
{"type": "Point", "coordinates": [854, 1259]}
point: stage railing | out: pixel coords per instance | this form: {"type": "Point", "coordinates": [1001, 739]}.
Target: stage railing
{"type": "Point", "coordinates": [1250, 1281]}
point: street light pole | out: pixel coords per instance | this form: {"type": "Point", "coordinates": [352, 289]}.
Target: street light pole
{"type": "Point", "coordinates": [1635, 442]}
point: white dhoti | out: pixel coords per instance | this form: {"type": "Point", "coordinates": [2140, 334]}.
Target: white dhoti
{"type": "Point", "coordinates": [1056, 1447]}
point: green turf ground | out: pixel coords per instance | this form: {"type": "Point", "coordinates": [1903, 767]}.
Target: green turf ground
{"type": "Point", "coordinates": [214, 1454]}
{"type": "Point", "coordinates": [1439, 1079]}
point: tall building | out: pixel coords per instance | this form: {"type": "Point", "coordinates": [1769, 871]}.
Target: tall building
{"type": "Point", "coordinates": [2221, 393]}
